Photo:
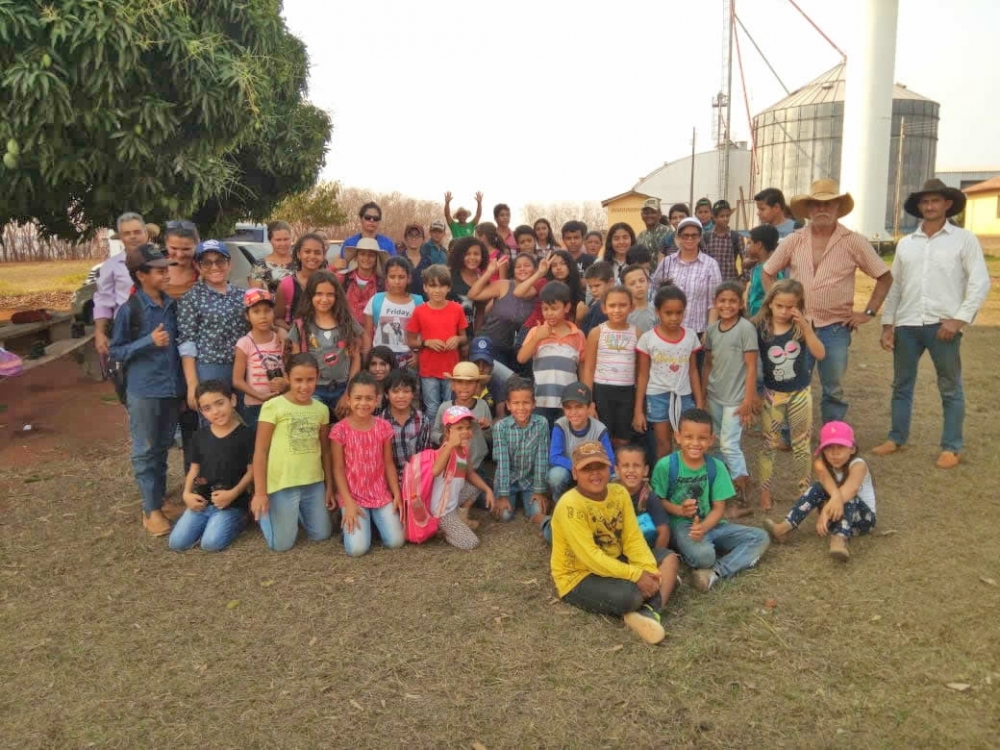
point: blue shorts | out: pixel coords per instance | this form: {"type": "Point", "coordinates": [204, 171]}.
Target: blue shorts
{"type": "Point", "coordinates": [660, 406]}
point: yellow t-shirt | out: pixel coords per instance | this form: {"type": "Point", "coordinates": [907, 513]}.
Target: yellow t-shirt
{"type": "Point", "coordinates": [295, 458]}
{"type": "Point", "coordinates": [589, 537]}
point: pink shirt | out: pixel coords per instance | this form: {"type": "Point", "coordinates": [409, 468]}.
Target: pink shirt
{"type": "Point", "coordinates": [260, 359]}
{"type": "Point", "coordinates": [363, 451]}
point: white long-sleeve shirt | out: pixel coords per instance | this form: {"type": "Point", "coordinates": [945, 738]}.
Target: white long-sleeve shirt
{"type": "Point", "coordinates": [936, 278]}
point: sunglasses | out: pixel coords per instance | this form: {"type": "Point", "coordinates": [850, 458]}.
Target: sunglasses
{"type": "Point", "coordinates": [181, 224]}
{"type": "Point", "coordinates": [220, 263]}
{"type": "Point", "coordinates": [689, 236]}
{"type": "Point", "coordinates": [369, 217]}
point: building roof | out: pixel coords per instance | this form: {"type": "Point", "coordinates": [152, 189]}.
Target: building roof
{"type": "Point", "coordinates": [987, 186]}
{"type": "Point", "coordinates": [733, 148]}
{"type": "Point", "coordinates": [832, 87]}
{"type": "Point", "coordinates": [613, 198]}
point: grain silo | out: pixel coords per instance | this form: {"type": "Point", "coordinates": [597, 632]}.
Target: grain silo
{"type": "Point", "coordinates": [799, 140]}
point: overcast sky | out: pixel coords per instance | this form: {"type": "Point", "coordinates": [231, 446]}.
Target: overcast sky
{"type": "Point", "coordinates": [550, 100]}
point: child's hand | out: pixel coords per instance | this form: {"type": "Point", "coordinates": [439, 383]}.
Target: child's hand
{"type": "Point", "coordinates": [834, 509]}
{"type": "Point", "coordinates": [160, 337]}
{"type": "Point", "coordinates": [343, 408]}
{"type": "Point", "coordinates": [491, 267]}
{"type": "Point", "coordinates": [192, 400]}
{"type": "Point", "coordinates": [697, 531]}
{"type": "Point", "coordinates": [649, 584]}
{"type": "Point", "coordinates": [689, 508]}
{"type": "Point", "coordinates": [259, 505]}
{"type": "Point", "coordinates": [193, 501]}
{"type": "Point", "coordinates": [485, 423]}
{"type": "Point", "coordinates": [397, 503]}
{"type": "Point", "coordinates": [798, 317]}
{"type": "Point", "coordinates": [745, 412]}
{"type": "Point", "coordinates": [500, 506]}
{"type": "Point", "coordinates": [822, 523]}
{"type": "Point", "coordinates": [277, 385]}
{"type": "Point", "coordinates": [436, 345]}
{"type": "Point", "coordinates": [331, 499]}
{"type": "Point", "coordinates": [490, 500]}
{"type": "Point", "coordinates": [454, 439]}
{"type": "Point", "coordinates": [452, 343]}
{"type": "Point", "coordinates": [350, 515]}
{"type": "Point", "coordinates": [543, 266]}
{"type": "Point", "coordinates": [639, 422]}
{"type": "Point", "coordinates": [222, 499]}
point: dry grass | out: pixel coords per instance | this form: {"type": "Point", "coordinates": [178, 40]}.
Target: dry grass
{"type": "Point", "coordinates": [109, 640]}
{"type": "Point", "coordinates": [49, 276]}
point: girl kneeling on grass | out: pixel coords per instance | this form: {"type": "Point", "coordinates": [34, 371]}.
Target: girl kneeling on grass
{"type": "Point", "coordinates": [844, 494]}
{"type": "Point", "coordinates": [364, 471]}
{"type": "Point", "coordinates": [292, 474]}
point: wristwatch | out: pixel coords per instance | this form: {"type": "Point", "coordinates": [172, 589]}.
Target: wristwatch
{"type": "Point", "coordinates": [869, 312]}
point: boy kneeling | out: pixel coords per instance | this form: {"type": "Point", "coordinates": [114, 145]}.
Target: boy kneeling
{"type": "Point", "coordinates": [600, 560]}
{"type": "Point", "coordinates": [694, 494]}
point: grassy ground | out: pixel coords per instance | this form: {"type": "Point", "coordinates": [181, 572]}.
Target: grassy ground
{"type": "Point", "coordinates": [109, 640]}
{"type": "Point", "coordinates": [53, 276]}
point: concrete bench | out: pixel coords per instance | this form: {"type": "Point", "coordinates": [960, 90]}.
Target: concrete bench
{"type": "Point", "coordinates": [19, 338]}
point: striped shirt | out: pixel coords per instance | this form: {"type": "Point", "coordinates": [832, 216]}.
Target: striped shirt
{"type": "Point", "coordinates": [521, 455]}
{"type": "Point", "coordinates": [556, 363]}
{"type": "Point", "coordinates": [363, 461]}
{"type": "Point", "coordinates": [829, 288]}
{"type": "Point", "coordinates": [697, 279]}
{"type": "Point", "coordinates": [724, 248]}
{"type": "Point", "coordinates": [615, 356]}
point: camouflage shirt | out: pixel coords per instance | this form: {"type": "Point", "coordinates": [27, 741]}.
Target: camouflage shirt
{"type": "Point", "coordinates": [654, 239]}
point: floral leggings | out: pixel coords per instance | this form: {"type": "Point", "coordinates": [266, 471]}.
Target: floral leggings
{"type": "Point", "coordinates": [858, 518]}
{"type": "Point", "coordinates": [795, 410]}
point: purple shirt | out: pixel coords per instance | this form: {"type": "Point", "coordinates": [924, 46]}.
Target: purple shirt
{"type": "Point", "coordinates": [114, 287]}
{"type": "Point", "coordinates": [698, 279]}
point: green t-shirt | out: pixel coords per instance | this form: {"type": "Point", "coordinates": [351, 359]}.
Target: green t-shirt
{"type": "Point", "coordinates": [692, 483]}
{"type": "Point", "coordinates": [461, 230]}
{"type": "Point", "coordinates": [295, 458]}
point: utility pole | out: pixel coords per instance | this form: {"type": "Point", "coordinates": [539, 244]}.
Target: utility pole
{"type": "Point", "coordinates": [723, 100]}
{"type": "Point", "coordinates": [899, 179]}
{"type": "Point", "coordinates": [694, 136]}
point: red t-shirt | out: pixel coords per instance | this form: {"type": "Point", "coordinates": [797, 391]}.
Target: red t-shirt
{"type": "Point", "coordinates": [437, 324]}
{"type": "Point", "coordinates": [536, 313]}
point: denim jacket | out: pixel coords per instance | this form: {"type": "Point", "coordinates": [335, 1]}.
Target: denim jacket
{"type": "Point", "coordinates": [153, 371]}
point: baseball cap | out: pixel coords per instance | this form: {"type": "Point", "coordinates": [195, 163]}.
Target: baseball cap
{"type": "Point", "coordinates": [437, 225]}
{"type": "Point", "coordinates": [690, 221]}
{"type": "Point", "coordinates": [211, 246]}
{"type": "Point", "coordinates": [588, 453]}
{"type": "Point", "coordinates": [413, 228]}
{"type": "Point", "coordinates": [253, 296]}
{"type": "Point", "coordinates": [455, 414]}
{"type": "Point", "coordinates": [148, 255]}
{"type": "Point", "coordinates": [578, 392]}
{"type": "Point", "coordinates": [481, 350]}
{"type": "Point", "coordinates": [835, 433]}
{"type": "Point", "coordinates": [653, 203]}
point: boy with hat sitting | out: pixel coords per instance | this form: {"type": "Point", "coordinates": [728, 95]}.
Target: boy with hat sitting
{"type": "Point", "coordinates": [600, 561]}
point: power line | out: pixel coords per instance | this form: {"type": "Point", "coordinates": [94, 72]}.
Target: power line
{"type": "Point", "coordinates": [813, 24]}
{"type": "Point", "coordinates": [762, 57]}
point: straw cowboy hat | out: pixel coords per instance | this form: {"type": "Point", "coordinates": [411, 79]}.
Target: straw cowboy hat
{"type": "Point", "coordinates": [466, 371]}
{"type": "Point", "coordinates": [956, 196]}
{"type": "Point", "coordinates": [366, 243]}
{"type": "Point", "coordinates": [822, 190]}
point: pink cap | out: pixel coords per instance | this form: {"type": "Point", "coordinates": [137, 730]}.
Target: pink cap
{"type": "Point", "coordinates": [835, 433]}
{"type": "Point", "coordinates": [455, 414]}
{"type": "Point", "coordinates": [253, 296]}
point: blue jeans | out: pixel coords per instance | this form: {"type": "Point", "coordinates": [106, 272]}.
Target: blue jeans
{"type": "Point", "coordinates": [390, 529]}
{"type": "Point", "coordinates": [742, 547]}
{"type": "Point", "coordinates": [522, 498]}
{"type": "Point", "coordinates": [434, 391]}
{"type": "Point", "coordinates": [560, 480]}
{"type": "Point", "coordinates": [836, 339]}
{"type": "Point", "coordinates": [215, 528]}
{"type": "Point", "coordinates": [911, 343]}
{"type": "Point", "coordinates": [251, 415]}
{"type": "Point", "coordinates": [290, 506]}
{"type": "Point", "coordinates": [329, 397]}
{"type": "Point", "coordinates": [727, 426]}
{"type": "Point", "coordinates": [151, 425]}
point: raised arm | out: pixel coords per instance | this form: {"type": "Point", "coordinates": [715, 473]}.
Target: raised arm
{"type": "Point", "coordinates": [447, 208]}
{"type": "Point", "coordinates": [479, 208]}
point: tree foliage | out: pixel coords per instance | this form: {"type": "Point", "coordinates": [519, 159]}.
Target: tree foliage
{"type": "Point", "coordinates": [168, 107]}
{"type": "Point", "coordinates": [311, 209]}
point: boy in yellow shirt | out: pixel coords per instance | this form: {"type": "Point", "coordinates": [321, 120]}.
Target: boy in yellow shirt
{"type": "Point", "coordinates": [600, 560]}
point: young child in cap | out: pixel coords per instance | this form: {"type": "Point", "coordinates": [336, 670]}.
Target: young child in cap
{"type": "Point", "coordinates": [574, 427]}
{"type": "Point", "coordinates": [466, 383]}
{"type": "Point", "coordinates": [497, 374]}
{"type": "Point", "coordinates": [455, 480]}
{"type": "Point", "coordinates": [258, 367]}
{"type": "Point", "coordinates": [600, 561]}
{"type": "Point", "coordinates": [844, 493]}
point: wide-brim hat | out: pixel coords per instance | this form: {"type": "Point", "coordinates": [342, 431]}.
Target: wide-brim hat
{"type": "Point", "coordinates": [365, 243]}
{"type": "Point", "coordinates": [956, 196]}
{"type": "Point", "coordinates": [822, 190]}
{"type": "Point", "coordinates": [466, 371]}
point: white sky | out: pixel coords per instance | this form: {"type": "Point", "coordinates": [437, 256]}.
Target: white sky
{"type": "Point", "coordinates": [558, 100]}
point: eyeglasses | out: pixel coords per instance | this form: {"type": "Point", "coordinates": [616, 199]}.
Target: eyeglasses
{"type": "Point", "coordinates": [689, 236]}
{"type": "Point", "coordinates": [220, 263]}
{"type": "Point", "coordinates": [369, 217]}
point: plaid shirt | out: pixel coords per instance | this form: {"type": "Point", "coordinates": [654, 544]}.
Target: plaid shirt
{"type": "Point", "coordinates": [698, 279]}
{"type": "Point", "coordinates": [521, 455]}
{"type": "Point", "coordinates": [724, 248]}
{"type": "Point", "coordinates": [408, 439]}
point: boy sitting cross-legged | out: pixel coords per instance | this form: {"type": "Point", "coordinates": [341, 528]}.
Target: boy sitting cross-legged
{"type": "Point", "coordinates": [694, 495]}
{"type": "Point", "coordinates": [600, 561]}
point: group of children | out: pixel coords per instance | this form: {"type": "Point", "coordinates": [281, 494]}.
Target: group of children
{"type": "Point", "coordinates": [318, 432]}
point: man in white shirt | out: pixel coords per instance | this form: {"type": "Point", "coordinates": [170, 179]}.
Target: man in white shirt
{"type": "Point", "coordinates": [941, 281]}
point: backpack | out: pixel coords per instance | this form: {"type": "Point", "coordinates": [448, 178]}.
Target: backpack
{"type": "Point", "coordinates": [292, 292]}
{"type": "Point", "coordinates": [118, 370]}
{"type": "Point", "coordinates": [379, 298]}
{"type": "Point", "coordinates": [674, 469]}
{"type": "Point", "coordinates": [419, 524]}
{"type": "Point", "coordinates": [646, 525]}
{"type": "Point", "coordinates": [10, 364]}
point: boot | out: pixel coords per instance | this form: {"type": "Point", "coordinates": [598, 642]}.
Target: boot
{"type": "Point", "coordinates": [886, 448]}
{"type": "Point", "coordinates": [838, 548]}
{"type": "Point", "coordinates": [463, 516]}
{"type": "Point", "coordinates": [777, 531]}
{"type": "Point", "coordinates": [156, 524]}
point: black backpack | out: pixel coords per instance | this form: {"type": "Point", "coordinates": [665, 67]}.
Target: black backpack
{"type": "Point", "coordinates": [118, 370]}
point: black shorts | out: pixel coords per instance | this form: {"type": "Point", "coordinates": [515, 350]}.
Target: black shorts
{"type": "Point", "coordinates": [615, 405]}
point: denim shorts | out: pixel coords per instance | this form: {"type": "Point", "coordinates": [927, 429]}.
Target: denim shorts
{"type": "Point", "coordinates": [658, 406]}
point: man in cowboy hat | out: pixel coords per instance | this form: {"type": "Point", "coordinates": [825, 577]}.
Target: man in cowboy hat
{"type": "Point", "coordinates": [941, 282]}
{"type": "Point", "coordinates": [824, 257]}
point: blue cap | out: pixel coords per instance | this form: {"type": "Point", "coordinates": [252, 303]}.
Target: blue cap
{"type": "Point", "coordinates": [211, 246]}
{"type": "Point", "coordinates": [481, 350]}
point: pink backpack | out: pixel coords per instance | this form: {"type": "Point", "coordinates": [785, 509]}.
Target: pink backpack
{"type": "Point", "coordinates": [419, 524]}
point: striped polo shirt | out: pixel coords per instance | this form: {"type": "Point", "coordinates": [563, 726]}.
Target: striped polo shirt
{"type": "Point", "coordinates": [556, 363]}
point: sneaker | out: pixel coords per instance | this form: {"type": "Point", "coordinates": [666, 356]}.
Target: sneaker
{"type": "Point", "coordinates": [838, 548]}
{"type": "Point", "coordinates": [703, 578]}
{"type": "Point", "coordinates": [645, 623]}
{"type": "Point", "coordinates": [156, 524]}
{"type": "Point", "coordinates": [947, 460]}
{"type": "Point", "coordinates": [777, 531]}
{"type": "Point", "coordinates": [886, 448]}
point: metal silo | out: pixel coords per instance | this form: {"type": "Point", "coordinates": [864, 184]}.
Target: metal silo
{"type": "Point", "coordinates": [799, 140]}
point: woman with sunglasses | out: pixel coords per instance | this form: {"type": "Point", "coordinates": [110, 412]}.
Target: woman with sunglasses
{"type": "Point", "coordinates": [268, 272]}
{"type": "Point", "coordinates": [180, 237]}
{"type": "Point", "coordinates": [371, 217]}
